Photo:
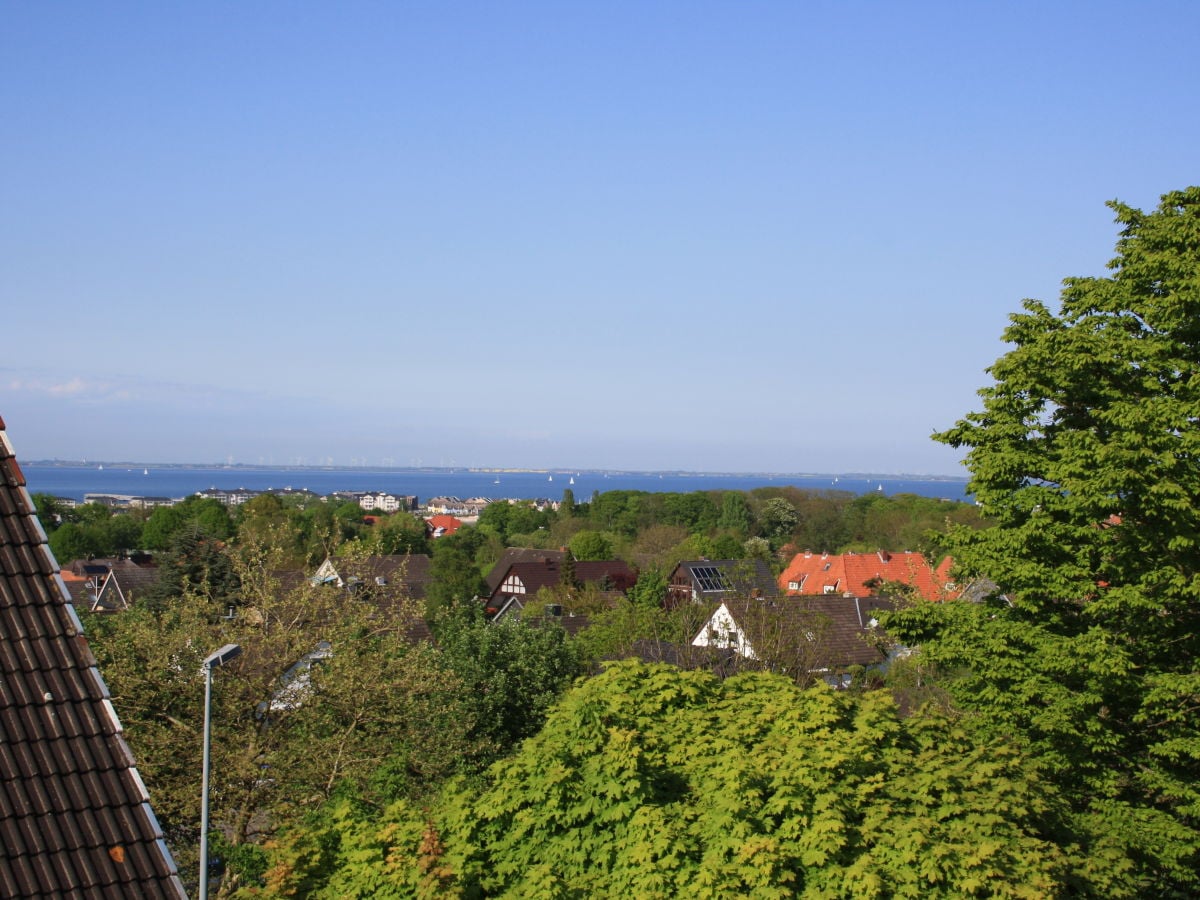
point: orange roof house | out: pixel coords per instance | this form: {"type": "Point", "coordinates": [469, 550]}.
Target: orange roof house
{"type": "Point", "coordinates": [860, 574]}
{"type": "Point", "coordinates": [442, 525]}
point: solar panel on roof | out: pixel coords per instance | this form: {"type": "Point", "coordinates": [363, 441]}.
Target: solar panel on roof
{"type": "Point", "coordinates": [710, 578]}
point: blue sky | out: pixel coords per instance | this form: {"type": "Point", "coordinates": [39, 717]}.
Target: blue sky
{"type": "Point", "coordinates": [736, 236]}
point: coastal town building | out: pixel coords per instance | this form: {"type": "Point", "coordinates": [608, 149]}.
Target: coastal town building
{"type": "Point", "coordinates": [456, 506]}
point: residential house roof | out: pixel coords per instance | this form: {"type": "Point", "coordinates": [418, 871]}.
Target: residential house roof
{"type": "Point", "coordinates": [107, 585]}
{"type": "Point", "coordinates": [515, 555]}
{"type": "Point", "coordinates": [407, 570]}
{"type": "Point", "coordinates": [568, 621]}
{"type": "Point", "coordinates": [442, 525]}
{"type": "Point", "coordinates": [812, 633]}
{"type": "Point", "coordinates": [388, 582]}
{"type": "Point", "coordinates": [861, 574]}
{"type": "Point", "coordinates": [75, 817]}
{"type": "Point", "coordinates": [546, 573]}
{"type": "Point", "coordinates": [712, 579]}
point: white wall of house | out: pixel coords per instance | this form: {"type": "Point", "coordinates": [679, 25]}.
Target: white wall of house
{"type": "Point", "coordinates": [723, 632]}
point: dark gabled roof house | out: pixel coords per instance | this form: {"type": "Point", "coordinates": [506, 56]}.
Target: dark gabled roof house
{"type": "Point", "coordinates": [519, 555]}
{"type": "Point", "coordinates": [75, 817]}
{"type": "Point", "coordinates": [107, 585]}
{"type": "Point", "coordinates": [825, 633]}
{"type": "Point", "coordinates": [524, 579]}
{"type": "Point", "coordinates": [705, 580]}
{"type": "Point", "coordinates": [406, 571]}
{"type": "Point", "coordinates": [392, 583]}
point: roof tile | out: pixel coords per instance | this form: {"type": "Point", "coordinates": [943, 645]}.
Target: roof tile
{"type": "Point", "coordinates": [861, 574]}
{"type": "Point", "coordinates": [68, 788]}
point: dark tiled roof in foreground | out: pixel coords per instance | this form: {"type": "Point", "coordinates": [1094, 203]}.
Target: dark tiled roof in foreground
{"type": "Point", "coordinates": [75, 819]}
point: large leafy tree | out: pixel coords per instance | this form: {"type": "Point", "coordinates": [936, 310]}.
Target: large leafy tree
{"type": "Point", "coordinates": [649, 781]}
{"type": "Point", "coordinates": [374, 715]}
{"type": "Point", "coordinates": [1086, 455]}
{"type": "Point", "coordinates": [205, 514]}
{"type": "Point", "coordinates": [511, 672]}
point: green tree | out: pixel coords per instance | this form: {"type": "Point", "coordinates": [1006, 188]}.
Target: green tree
{"type": "Point", "coordinates": [453, 575]}
{"type": "Point", "coordinates": [778, 518]}
{"type": "Point", "coordinates": [591, 545]}
{"type": "Point", "coordinates": [511, 671]}
{"type": "Point", "coordinates": [210, 516]}
{"type": "Point", "coordinates": [71, 541]}
{"type": "Point", "coordinates": [398, 533]}
{"type": "Point", "coordinates": [736, 513]}
{"type": "Point", "coordinates": [650, 590]}
{"type": "Point", "coordinates": [648, 781]}
{"type": "Point", "coordinates": [726, 546]}
{"type": "Point", "coordinates": [616, 511]}
{"type": "Point", "coordinates": [195, 565]}
{"type": "Point", "coordinates": [695, 511]}
{"type": "Point", "coordinates": [655, 546]}
{"type": "Point", "coordinates": [495, 517]}
{"type": "Point", "coordinates": [375, 717]}
{"type": "Point", "coordinates": [51, 511]}
{"type": "Point", "coordinates": [566, 508]}
{"type": "Point", "coordinates": [1087, 457]}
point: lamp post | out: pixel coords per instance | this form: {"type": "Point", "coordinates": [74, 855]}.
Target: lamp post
{"type": "Point", "coordinates": [226, 654]}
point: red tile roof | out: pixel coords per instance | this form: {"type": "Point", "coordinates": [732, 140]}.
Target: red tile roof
{"type": "Point", "coordinates": [448, 524]}
{"type": "Point", "coordinates": [75, 819]}
{"type": "Point", "coordinates": [861, 573]}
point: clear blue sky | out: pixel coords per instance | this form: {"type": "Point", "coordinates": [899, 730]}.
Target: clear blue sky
{"type": "Point", "coordinates": [737, 236]}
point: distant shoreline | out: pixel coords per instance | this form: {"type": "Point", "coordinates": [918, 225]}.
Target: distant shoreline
{"type": "Point", "coordinates": [486, 470]}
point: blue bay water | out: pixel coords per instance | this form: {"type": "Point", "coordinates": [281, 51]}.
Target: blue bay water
{"type": "Point", "coordinates": [181, 481]}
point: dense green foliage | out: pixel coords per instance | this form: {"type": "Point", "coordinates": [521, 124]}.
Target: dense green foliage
{"type": "Point", "coordinates": [1087, 457]}
{"type": "Point", "coordinates": [511, 672]}
{"type": "Point", "coordinates": [651, 782]}
{"type": "Point", "coordinates": [377, 710]}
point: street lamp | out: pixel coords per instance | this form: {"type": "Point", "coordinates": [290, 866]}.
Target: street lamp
{"type": "Point", "coordinates": [226, 654]}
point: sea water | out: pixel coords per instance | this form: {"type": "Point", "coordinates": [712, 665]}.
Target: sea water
{"type": "Point", "coordinates": [176, 482]}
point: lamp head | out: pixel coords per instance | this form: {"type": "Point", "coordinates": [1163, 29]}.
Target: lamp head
{"type": "Point", "coordinates": [226, 654]}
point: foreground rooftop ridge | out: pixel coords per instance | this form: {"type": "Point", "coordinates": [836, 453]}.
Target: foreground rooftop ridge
{"type": "Point", "coordinates": [75, 817]}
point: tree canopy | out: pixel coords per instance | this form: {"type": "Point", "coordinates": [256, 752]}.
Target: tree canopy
{"type": "Point", "coordinates": [1086, 455]}
{"type": "Point", "coordinates": [648, 781]}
